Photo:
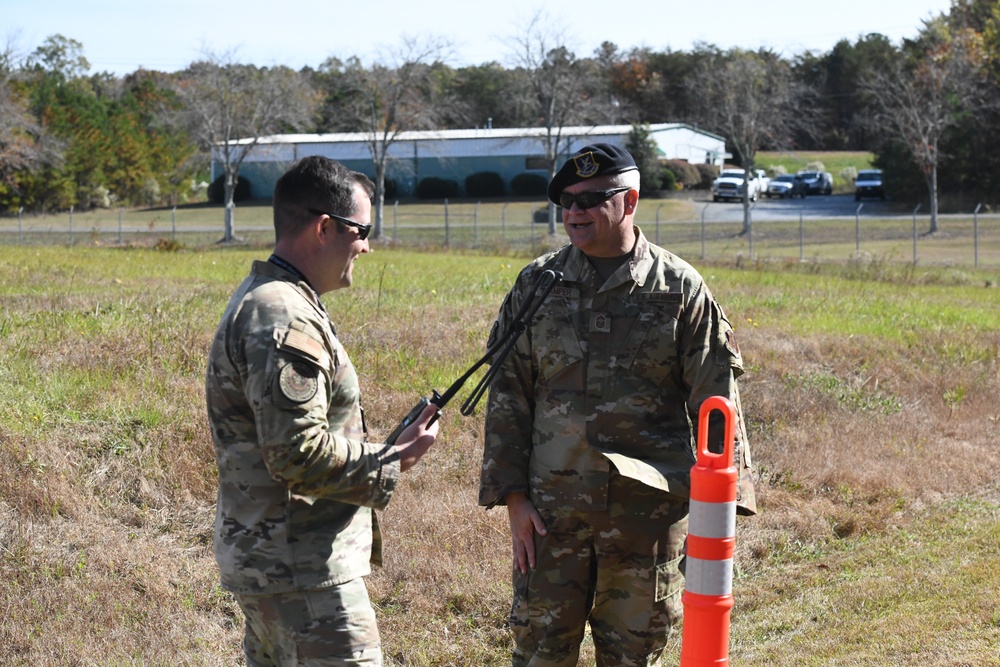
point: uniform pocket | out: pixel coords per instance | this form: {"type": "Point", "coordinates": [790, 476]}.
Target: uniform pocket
{"type": "Point", "coordinates": [669, 580]}
{"type": "Point", "coordinates": [520, 615]}
{"type": "Point", "coordinates": [651, 349]}
{"type": "Point", "coordinates": [555, 345]}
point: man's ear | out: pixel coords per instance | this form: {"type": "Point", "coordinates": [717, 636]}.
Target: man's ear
{"type": "Point", "coordinates": [323, 228]}
{"type": "Point", "coordinates": [631, 200]}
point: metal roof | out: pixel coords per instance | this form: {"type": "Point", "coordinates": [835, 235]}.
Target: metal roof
{"type": "Point", "coordinates": [478, 133]}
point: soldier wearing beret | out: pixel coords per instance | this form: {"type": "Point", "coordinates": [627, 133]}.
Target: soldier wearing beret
{"type": "Point", "coordinates": [294, 527]}
{"type": "Point", "coordinates": [591, 426]}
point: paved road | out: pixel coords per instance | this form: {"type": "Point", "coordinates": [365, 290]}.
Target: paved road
{"type": "Point", "coordinates": [814, 206]}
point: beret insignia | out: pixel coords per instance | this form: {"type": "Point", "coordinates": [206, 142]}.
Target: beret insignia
{"type": "Point", "coordinates": [586, 164]}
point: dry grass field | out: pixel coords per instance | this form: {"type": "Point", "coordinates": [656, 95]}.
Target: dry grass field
{"type": "Point", "coordinates": [871, 398]}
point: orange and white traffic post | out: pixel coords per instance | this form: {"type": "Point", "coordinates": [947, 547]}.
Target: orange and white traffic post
{"type": "Point", "coordinates": [708, 589]}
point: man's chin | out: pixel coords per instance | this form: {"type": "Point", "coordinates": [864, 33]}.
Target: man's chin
{"type": "Point", "coordinates": [579, 238]}
{"type": "Point", "coordinates": [576, 233]}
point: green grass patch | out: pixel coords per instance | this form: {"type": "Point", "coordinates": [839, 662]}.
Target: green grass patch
{"type": "Point", "coordinates": [870, 399]}
{"type": "Point", "coordinates": [842, 165]}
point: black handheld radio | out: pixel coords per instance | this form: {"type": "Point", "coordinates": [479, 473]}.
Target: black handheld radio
{"type": "Point", "coordinates": [496, 352]}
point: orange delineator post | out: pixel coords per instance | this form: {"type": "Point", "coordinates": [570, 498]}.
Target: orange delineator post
{"type": "Point", "coordinates": [708, 589]}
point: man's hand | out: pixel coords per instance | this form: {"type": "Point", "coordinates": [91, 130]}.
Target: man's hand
{"type": "Point", "coordinates": [416, 438]}
{"type": "Point", "coordinates": [525, 521]}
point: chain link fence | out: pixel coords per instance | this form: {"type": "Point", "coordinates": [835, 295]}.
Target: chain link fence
{"type": "Point", "coordinates": [713, 233]}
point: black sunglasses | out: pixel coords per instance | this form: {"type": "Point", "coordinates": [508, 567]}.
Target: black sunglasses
{"type": "Point", "coordinates": [589, 198]}
{"type": "Point", "coordinates": [363, 230]}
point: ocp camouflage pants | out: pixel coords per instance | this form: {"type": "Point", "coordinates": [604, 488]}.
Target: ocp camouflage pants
{"type": "Point", "coordinates": [619, 574]}
{"type": "Point", "coordinates": [327, 627]}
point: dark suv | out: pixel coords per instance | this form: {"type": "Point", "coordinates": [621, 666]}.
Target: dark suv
{"type": "Point", "coordinates": [817, 182]}
{"type": "Point", "coordinates": [869, 184]}
{"type": "Point", "coordinates": [787, 185]}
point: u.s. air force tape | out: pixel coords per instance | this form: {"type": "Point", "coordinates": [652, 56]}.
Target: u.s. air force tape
{"type": "Point", "coordinates": [298, 382]}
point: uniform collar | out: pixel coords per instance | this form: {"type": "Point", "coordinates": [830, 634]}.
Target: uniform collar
{"type": "Point", "coordinates": [283, 270]}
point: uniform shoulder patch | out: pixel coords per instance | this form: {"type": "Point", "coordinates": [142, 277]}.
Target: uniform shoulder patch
{"type": "Point", "coordinates": [304, 344]}
{"type": "Point", "coordinates": [298, 381]}
{"type": "Point", "coordinates": [731, 343]}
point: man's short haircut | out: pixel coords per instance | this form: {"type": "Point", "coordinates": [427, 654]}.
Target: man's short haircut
{"type": "Point", "coordinates": [626, 179]}
{"type": "Point", "coordinates": [316, 183]}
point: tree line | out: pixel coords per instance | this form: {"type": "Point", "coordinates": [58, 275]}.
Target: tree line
{"type": "Point", "coordinates": [928, 108]}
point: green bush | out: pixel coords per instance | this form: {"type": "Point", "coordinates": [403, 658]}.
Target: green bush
{"type": "Point", "coordinates": [541, 215]}
{"type": "Point", "coordinates": [433, 187]}
{"type": "Point", "coordinates": [707, 172]}
{"type": "Point", "coordinates": [668, 180]}
{"type": "Point", "coordinates": [529, 185]}
{"type": "Point", "coordinates": [685, 173]}
{"type": "Point", "coordinates": [217, 190]}
{"type": "Point", "coordinates": [484, 184]}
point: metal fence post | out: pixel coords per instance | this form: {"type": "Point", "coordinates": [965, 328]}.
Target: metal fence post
{"type": "Point", "coordinates": [705, 208]}
{"type": "Point", "coordinates": [802, 244]}
{"type": "Point", "coordinates": [71, 225]}
{"type": "Point", "coordinates": [446, 231]}
{"type": "Point", "coordinates": [173, 224]}
{"type": "Point", "coordinates": [503, 222]}
{"type": "Point", "coordinates": [658, 224]}
{"type": "Point", "coordinates": [915, 234]}
{"type": "Point", "coordinates": [857, 230]}
{"type": "Point", "coordinates": [975, 234]}
{"type": "Point", "coordinates": [395, 220]}
{"type": "Point", "coordinates": [475, 226]}
{"type": "Point", "coordinates": [121, 209]}
{"type": "Point", "coordinates": [20, 233]}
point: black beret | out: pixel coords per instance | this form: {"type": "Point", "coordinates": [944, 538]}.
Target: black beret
{"type": "Point", "coordinates": [588, 162]}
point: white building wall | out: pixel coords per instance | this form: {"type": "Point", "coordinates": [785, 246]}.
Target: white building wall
{"type": "Point", "coordinates": [467, 151]}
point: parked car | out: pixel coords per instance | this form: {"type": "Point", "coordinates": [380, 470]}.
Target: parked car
{"type": "Point", "coordinates": [868, 184]}
{"type": "Point", "coordinates": [731, 183]}
{"type": "Point", "coordinates": [787, 185]}
{"type": "Point", "coordinates": [817, 182]}
{"type": "Point", "coordinates": [763, 181]}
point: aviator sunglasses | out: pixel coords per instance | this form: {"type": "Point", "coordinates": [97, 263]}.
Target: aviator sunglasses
{"type": "Point", "coordinates": [589, 198]}
{"type": "Point", "coordinates": [363, 230]}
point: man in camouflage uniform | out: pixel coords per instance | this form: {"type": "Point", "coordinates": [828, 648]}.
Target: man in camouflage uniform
{"type": "Point", "coordinates": [590, 427]}
{"type": "Point", "coordinates": [294, 527]}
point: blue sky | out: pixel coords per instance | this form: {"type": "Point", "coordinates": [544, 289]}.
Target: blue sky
{"type": "Point", "coordinates": [120, 36]}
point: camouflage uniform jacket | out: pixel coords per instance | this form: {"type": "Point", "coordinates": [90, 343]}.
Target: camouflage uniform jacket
{"type": "Point", "coordinates": [297, 480]}
{"type": "Point", "coordinates": [609, 373]}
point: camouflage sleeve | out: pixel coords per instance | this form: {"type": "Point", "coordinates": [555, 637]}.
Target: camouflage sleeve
{"type": "Point", "coordinates": [509, 414]}
{"type": "Point", "coordinates": [711, 363]}
{"type": "Point", "coordinates": [290, 391]}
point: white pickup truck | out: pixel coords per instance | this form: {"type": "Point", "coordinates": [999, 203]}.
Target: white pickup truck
{"type": "Point", "coordinates": [730, 184]}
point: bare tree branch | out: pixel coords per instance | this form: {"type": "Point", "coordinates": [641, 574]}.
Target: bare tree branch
{"type": "Point", "coordinates": [554, 95]}
{"type": "Point", "coordinates": [229, 107]}
{"type": "Point", "coordinates": [23, 145]}
{"type": "Point", "coordinates": [395, 95]}
{"type": "Point", "coordinates": [751, 99]}
{"type": "Point", "coordinates": [920, 100]}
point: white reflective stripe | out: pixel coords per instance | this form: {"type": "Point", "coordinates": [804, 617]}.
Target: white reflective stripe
{"type": "Point", "coordinates": [716, 520]}
{"type": "Point", "coordinates": [709, 577]}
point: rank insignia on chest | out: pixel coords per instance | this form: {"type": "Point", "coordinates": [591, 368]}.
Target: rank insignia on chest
{"type": "Point", "coordinates": [600, 322]}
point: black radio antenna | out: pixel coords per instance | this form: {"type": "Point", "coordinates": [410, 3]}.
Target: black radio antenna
{"type": "Point", "coordinates": [495, 355]}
